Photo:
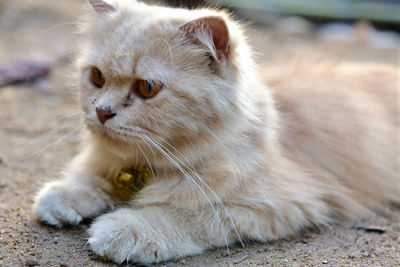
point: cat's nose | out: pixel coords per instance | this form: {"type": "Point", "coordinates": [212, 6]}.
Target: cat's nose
{"type": "Point", "coordinates": [104, 114]}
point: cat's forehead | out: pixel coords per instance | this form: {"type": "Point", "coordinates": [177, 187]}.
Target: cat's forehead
{"type": "Point", "coordinates": [131, 43]}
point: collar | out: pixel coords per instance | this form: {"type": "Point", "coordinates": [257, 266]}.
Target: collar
{"type": "Point", "coordinates": [131, 180]}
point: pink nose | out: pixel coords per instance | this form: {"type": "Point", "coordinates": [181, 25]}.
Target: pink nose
{"type": "Point", "coordinates": [104, 114]}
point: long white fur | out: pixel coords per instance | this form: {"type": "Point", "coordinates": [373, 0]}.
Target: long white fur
{"type": "Point", "coordinates": [212, 139]}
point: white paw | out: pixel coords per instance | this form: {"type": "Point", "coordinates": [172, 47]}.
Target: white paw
{"type": "Point", "coordinates": [125, 236]}
{"type": "Point", "coordinates": [63, 202]}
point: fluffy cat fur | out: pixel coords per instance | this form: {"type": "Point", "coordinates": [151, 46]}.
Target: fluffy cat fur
{"type": "Point", "coordinates": [232, 160]}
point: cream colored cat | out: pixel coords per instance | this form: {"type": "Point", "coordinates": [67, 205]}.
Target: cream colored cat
{"type": "Point", "coordinates": [177, 92]}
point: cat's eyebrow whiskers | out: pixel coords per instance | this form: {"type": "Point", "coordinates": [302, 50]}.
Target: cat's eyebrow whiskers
{"type": "Point", "coordinates": [170, 51]}
{"type": "Point", "coordinates": [124, 55]}
{"type": "Point", "coordinates": [167, 43]}
{"type": "Point", "coordinates": [156, 66]}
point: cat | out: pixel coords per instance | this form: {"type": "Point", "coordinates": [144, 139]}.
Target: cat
{"type": "Point", "coordinates": [177, 93]}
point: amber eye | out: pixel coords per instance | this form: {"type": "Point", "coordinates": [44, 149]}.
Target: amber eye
{"type": "Point", "coordinates": [97, 78]}
{"type": "Point", "coordinates": [148, 89]}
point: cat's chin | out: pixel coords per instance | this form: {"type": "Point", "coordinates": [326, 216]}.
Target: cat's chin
{"type": "Point", "coordinates": [118, 147]}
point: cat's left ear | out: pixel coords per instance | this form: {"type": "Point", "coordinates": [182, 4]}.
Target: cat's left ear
{"type": "Point", "coordinates": [216, 28]}
{"type": "Point", "coordinates": [101, 6]}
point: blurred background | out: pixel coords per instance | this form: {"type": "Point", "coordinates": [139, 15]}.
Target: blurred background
{"type": "Point", "coordinates": [40, 115]}
{"type": "Point", "coordinates": [379, 11]}
{"type": "Point", "coordinates": [42, 29]}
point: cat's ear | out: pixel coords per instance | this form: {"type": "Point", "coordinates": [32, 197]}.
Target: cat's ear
{"type": "Point", "coordinates": [216, 28]}
{"type": "Point", "coordinates": [101, 6]}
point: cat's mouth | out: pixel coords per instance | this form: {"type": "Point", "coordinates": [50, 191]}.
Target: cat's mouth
{"type": "Point", "coordinates": [123, 136]}
{"type": "Point", "coordinates": [115, 136]}
{"type": "Point", "coordinates": [106, 133]}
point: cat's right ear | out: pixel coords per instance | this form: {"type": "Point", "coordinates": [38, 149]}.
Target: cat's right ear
{"type": "Point", "coordinates": [217, 31]}
{"type": "Point", "coordinates": [101, 6]}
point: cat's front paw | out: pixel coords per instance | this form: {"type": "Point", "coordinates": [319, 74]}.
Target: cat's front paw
{"type": "Point", "coordinates": [125, 236]}
{"type": "Point", "coordinates": [63, 202]}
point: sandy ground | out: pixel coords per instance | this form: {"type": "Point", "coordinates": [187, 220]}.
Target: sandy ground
{"type": "Point", "coordinates": [39, 134]}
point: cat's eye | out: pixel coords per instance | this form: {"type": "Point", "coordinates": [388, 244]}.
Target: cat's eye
{"type": "Point", "coordinates": [97, 78]}
{"type": "Point", "coordinates": [148, 89]}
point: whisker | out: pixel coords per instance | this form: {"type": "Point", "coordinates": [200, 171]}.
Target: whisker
{"type": "Point", "coordinates": [181, 170]}
{"type": "Point", "coordinates": [57, 26]}
{"type": "Point", "coordinates": [148, 162]}
{"type": "Point", "coordinates": [157, 145]}
{"type": "Point", "coordinates": [217, 217]}
{"type": "Point", "coordinates": [187, 170]}
{"type": "Point", "coordinates": [57, 141]}
{"type": "Point", "coordinates": [146, 158]}
{"type": "Point", "coordinates": [169, 50]}
{"type": "Point", "coordinates": [143, 139]}
{"type": "Point", "coordinates": [69, 124]}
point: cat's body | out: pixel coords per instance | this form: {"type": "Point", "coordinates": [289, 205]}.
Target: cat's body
{"type": "Point", "coordinates": [231, 161]}
{"type": "Point", "coordinates": [348, 127]}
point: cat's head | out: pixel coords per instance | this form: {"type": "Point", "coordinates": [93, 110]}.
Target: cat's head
{"type": "Point", "coordinates": [171, 75]}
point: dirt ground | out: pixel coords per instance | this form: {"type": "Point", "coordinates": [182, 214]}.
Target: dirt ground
{"type": "Point", "coordinates": [39, 134]}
